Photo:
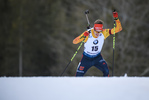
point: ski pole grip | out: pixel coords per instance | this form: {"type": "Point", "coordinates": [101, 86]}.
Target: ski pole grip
{"type": "Point", "coordinates": [87, 12]}
{"type": "Point", "coordinates": [114, 10]}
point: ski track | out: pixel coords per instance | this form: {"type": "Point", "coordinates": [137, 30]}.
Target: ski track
{"type": "Point", "coordinates": [74, 88]}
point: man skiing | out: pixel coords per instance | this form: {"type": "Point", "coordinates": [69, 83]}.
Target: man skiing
{"type": "Point", "coordinates": [93, 43]}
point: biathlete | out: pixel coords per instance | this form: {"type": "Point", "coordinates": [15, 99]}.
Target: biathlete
{"type": "Point", "coordinates": [93, 43]}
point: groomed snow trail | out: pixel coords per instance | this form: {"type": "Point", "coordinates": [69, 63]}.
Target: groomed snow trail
{"type": "Point", "coordinates": [74, 88]}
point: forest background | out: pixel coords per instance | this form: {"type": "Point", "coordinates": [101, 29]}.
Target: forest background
{"type": "Point", "coordinates": [36, 36]}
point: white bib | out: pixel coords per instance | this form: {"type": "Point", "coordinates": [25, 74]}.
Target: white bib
{"type": "Point", "coordinates": [93, 45]}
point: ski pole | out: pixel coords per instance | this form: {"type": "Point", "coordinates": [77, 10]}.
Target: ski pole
{"type": "Point", "coordinates": [86, 12]}
{"type": "Point", "coordinates": [72, 57]}
{"type": "Point", "coordinates": [113, 46]}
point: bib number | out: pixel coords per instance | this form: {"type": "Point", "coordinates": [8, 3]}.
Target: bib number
{"type": "Point", "coordinates": [94, 48]}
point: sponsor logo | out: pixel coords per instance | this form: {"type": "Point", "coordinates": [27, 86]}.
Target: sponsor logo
{"type": "Point", "coordinates": [80, 71]}
{"type": "Point", "coordinates": [81, 68]}
{"type": "Point", "coordinates": [103, 63]}
{"type": "Point", "coordinates": [95, 42]}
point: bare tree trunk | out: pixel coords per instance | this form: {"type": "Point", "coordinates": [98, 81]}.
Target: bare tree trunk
{"type": "Point", "coordinates": [20, 45]}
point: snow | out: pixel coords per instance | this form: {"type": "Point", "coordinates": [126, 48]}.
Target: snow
{"type": "Point", "coordinates": [74, 88]}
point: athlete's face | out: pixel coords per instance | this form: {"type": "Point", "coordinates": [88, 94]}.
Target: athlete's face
{"type": "Point", "coordinates": [97, 33]}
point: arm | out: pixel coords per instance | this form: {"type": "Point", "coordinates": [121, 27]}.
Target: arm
{"type": "Point", "coordinates": [118, 27]}
{"type": "Point", "coordinates": [80, 38]}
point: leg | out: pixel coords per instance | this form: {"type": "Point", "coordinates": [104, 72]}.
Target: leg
{"type": "Point", "coordinates": [83, 66]}
{"type": "Point", "coordinates": [80, 70]}
{"type": "Point", "coordinates": [102, 65]}
{"type": "Point", "coordinates": [105, 69]}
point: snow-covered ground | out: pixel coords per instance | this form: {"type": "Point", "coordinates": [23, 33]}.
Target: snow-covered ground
{"type": "Point", "coordinates": [74, 88]}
